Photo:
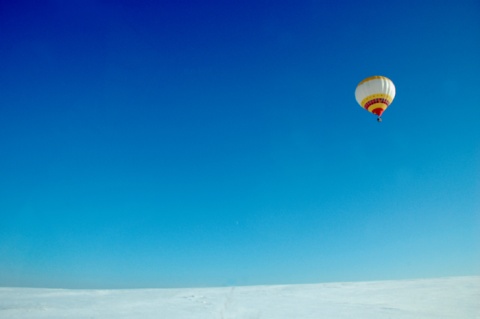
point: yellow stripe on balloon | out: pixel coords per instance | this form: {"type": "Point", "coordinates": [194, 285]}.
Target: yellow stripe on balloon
{"type": "Point", "coordinates": [376, 96]}
{"type": "Point", "coordinates": [375, 77]}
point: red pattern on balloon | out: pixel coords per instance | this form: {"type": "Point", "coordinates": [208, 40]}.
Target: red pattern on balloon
{"type": "Point", "coordinates": [375, 101]}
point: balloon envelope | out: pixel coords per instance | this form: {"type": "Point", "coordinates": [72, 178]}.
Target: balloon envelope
{"type": "Point", "coordinates": [375, 94]}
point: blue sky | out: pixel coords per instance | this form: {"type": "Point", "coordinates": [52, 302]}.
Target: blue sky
{"type": "Point", "coordinates": [212, 143]}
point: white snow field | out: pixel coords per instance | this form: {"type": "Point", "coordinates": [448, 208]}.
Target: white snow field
{"type": "Point", "coordinates": [456, 298]}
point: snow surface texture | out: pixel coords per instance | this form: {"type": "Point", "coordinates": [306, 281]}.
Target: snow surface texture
{"type": "Point", "coordinates": [457, 298]}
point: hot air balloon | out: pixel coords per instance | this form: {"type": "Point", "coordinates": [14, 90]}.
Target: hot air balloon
{"type": "Point", "coordinates": [375, 94]}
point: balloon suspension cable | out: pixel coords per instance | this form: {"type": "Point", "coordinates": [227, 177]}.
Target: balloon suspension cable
{"type": "Point", "coordinates": [379, 119]}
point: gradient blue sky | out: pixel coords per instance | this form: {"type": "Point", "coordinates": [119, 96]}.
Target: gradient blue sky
{"type": "Point", "coordinates": [211, 143]}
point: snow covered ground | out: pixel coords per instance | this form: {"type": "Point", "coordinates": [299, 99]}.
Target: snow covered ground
{"type": "Point", "coordinates": [441, 298]}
